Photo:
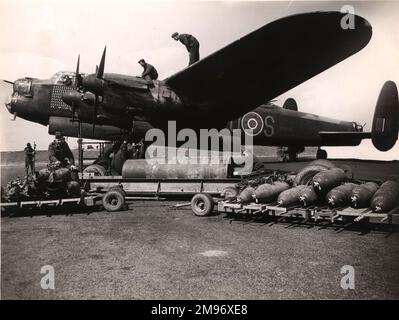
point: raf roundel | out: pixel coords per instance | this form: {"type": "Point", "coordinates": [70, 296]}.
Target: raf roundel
{"type": "Point", "coordinates": [252, 121]}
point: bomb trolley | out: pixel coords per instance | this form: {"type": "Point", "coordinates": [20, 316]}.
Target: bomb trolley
{"type": "Point", "coordinates": [116, 191]}
{"type": "Point", "coordinates": [86, 200]}
{"type": "Point", "coordinates": [310, 214]}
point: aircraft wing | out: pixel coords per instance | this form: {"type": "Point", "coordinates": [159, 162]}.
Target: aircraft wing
{"type": "Point", "coordinates": [268, 62]}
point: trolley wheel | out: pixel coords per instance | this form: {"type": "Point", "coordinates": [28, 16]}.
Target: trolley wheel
{"type": "Point", "coordinates": [113, 200]}
{"type": "Point", "coordinates": [118, 188]}
{"type": "Point", "coordinates": [202, 204]}
{"type": "Point", "coordinates": [230, 192]}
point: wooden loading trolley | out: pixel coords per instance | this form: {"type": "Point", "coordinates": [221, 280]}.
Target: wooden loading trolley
{"type": "Point", "coordinates": [309, 214]}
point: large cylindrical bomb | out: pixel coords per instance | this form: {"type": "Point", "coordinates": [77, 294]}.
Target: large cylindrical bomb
{"type": "Point", "coordinates": [62, 175]}
{"type": "Point", "coordinates": [290, 197]}
{"type": "Point", "coordinates": [340, 196]}
{"type": "Point", "coordinates": [43, 175]}
{"type": "Point", "coordinates": [308, 196]}
{"type": "Point", "coordinates": [140, 168]}
{"type": "Point", "coordinates": [322, 162]}
{"type": "Point", "coordinates": [268, 192]}
{"type": "Point", "coordinates": [324, 181]}
{"type": "Point", "coordinates": [386, 197]}
{"type": "Point", "coordinates": [306, 174]}
{"type": "Point", "coordinates": [246, 195]}
{"type": "Point", "coordinates": [361, 195]}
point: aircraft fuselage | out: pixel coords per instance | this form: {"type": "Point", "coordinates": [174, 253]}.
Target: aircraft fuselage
{"type": "Point", "coordinates": [131, 113]}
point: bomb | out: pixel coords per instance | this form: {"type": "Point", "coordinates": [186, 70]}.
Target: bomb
{"type": "Point", "coordinates": [326, 180]}
{"type": "Point", "coordinates": [269, 192]}
{"type": "Point", "coordinates": [341, 195]}
{"type": "Point", "coordinates": [322, 162]}
{"type": "Point", "coordinates": [307, 173]}
{"type": "Point", "coordinates": [246, 195]}
{"type": "Point", "coordinates": [291, 196]}
{"type": "Point", "coordinates": [73, 188]}
{"type": "Point", "coordinates": [361, 195]}
{"type": "Point", "coordinates": [308, 196]}
{"type": "Point", "coordinates": [386, 197]}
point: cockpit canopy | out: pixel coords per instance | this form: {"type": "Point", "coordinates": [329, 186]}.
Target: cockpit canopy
{"type": "Point", "coordinates": [64, 77]}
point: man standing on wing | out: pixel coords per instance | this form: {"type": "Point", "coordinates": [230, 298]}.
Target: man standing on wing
{"type": "Point", "coordinates": [191, 44]}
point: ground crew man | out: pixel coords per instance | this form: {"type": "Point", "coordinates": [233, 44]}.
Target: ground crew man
{"type": "Point", "coordinates": [29, 158]}
{"type": "Point", "coordinates": [142, 149]}
{"type": "Point", "coordinates": [58, 151]}
{"type": "Point", "coordinates": [149, 73]}
{"type": "Point", "coordinates": [191, 44]}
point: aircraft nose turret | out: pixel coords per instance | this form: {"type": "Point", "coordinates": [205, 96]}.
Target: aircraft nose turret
{"type": "Point", "coordinates": [8, 104]}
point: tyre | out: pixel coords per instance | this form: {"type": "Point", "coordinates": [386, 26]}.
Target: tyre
{"type": "Point", "coordinates": [118, 188]}
{"type": "Point", "coordinates": [96, 169]}
{"type": "Point", "coordinates": [321, 154]}
{"type": "Point", "coordinates": [113, 201]}
{"type": "Point", "coordinates": [230, 192]}
{"type": "Point", "coordinates": [292, 155]}
{"type": "Point", "coordinates": [202, 204]}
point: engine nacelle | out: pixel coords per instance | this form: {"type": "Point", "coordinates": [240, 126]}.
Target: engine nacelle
{"type": "Point", "coordinates": [101, 132]}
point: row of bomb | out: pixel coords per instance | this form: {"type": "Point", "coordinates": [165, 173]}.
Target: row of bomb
{"type": "Point", "coordinates": [324, 184]}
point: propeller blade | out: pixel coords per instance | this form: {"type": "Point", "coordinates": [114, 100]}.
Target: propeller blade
{"type": "Point", "coordinates": [73, 112]}
{"type": "Point", "coordinates": [95, 112]}
{"type": "Point", "coordinates": [15, 116]}
{"type": "Point", "coordinates": [10, 82]}
{"type": "Point", "coordinates": [100, 71]}
{"type": "Point", "coordinates": [78, 78]}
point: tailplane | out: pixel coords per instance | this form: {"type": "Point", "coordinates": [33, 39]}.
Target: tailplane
{"type": "Point", "coordinates": [385, 126]}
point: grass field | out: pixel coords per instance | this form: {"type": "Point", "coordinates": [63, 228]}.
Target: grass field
{"type": "Point", "coordinates": [152, 251]}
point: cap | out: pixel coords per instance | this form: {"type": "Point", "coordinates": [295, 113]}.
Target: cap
{"type": "Point", "coordinates": [141, 60]}
{"type": "Point", "coordinates": [58, 135]}
{"type": "Point", "coordinates": [175, 34]}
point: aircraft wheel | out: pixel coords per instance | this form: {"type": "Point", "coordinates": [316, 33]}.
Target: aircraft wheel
{"type": "Point", "coordinates": [113, 200]}
{"type": "Point", "coordinates": [321, 154]}
{"type": "Point", "coordinates": [292, 155]}
{"type": "Point", "coordinates": [202, 204]}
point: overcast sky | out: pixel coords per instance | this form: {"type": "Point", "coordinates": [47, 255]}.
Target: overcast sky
{"type": "Point", "coordinates": [41, 37]}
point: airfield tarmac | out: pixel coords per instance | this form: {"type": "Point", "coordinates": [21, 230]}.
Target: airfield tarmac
{"type": "Point", "coordinates": [153, 251]}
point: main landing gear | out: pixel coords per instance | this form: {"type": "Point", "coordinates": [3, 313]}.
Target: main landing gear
{"type": "Point", "coordinates": [321, 154]}
{"type": "Point", "coordinates": [289, 153]}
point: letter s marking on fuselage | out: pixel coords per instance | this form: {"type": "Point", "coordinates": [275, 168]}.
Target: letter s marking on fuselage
{"type": "Point", "coordinates": [269, 126]}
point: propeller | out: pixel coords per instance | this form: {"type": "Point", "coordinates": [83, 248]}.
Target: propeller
{"type": "Point", "coordinates": [10, 82]}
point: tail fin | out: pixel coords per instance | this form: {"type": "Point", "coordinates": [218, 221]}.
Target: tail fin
{"type": "Point", "coordinates": [385, 127]}
{"type": "Point", "coordinates": [290, 104]}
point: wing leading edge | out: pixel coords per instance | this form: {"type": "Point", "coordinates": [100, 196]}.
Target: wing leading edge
{"type": "Point", "coordinates": [269, 62]}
